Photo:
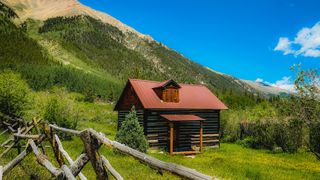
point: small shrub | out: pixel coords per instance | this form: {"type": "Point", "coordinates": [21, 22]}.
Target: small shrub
{"type": "Point", "coordinates": [131, 133]}
{"type": "Point", "coordinates": [14, 94]}
{"type": "Point", "coordinates": [60, 110]}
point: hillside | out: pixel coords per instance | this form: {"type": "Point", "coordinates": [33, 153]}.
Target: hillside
{"type": "Point", "coordinates": [42, 10]}
{"type": "Point", "coordinates": [80, 39]}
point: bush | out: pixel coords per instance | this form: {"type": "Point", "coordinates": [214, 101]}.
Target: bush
{"type": "Point", "coordinates": [262, 134]}
{"type": "Point", "coordinates": [14, 94]}
{"type": "Point", "coordinates": [315, 139]}
{"type": "Point", "coordinates": [289, 135]}
{"type": "Point", "coordinates": [131, 133]}
{"type": "Point", "coordinates": [60, 110]}
{"type": "Point", "coordinates": [229, 126]}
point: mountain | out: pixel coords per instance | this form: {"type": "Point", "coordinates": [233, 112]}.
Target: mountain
{"type": "Point", "coordinates": [267, 89]}
{"type": "Point", "coordinates": [44, 9]}
{"type": "Point", "coordinates": [93, 53]}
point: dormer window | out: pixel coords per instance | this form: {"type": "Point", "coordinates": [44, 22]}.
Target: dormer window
{"type": "Point", "coordinates": [170, 94]}
{"type": "Point", "coordinates": [168, 91]}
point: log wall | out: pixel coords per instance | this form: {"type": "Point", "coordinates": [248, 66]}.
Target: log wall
{"type": "Point", "coordinates": [157, 129]}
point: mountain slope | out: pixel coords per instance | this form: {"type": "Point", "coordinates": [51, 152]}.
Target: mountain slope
{"type": "Point", "coordinates": [44, 9]}
{"type": "Point", "coordinates": [126, 56]}
{"type": "Point", "coordinates": [93, 42]}
{"type": "Point", "coordinates": [25, 55]}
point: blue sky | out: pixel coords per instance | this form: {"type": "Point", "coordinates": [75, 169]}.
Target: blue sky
{"type": "Point", "coordinates": [236, 37]}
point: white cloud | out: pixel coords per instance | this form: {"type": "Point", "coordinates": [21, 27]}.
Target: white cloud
{"type": "Point", "coordinates": [307, 43]}
{"type": "Point", "coordinates": [284, 45]}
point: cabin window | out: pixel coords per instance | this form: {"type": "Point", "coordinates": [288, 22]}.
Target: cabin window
{"type": "Point", "coordinates": [170, 95]}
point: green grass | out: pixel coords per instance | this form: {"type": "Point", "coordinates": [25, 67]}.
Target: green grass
{"type": "Point", "coordinates": [230, 161]}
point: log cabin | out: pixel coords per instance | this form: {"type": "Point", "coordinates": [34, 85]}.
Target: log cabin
{"type": "Point", "coordinates": [179, 118]}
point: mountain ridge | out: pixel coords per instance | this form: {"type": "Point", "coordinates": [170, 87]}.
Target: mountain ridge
{"type": "Point", "coordinates": [78, 36]}
{"type": "Point", "coordinates": [42, 10]}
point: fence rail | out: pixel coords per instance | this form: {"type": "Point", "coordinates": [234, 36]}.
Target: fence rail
{"type": "Point", "coordinates": [92, 141]}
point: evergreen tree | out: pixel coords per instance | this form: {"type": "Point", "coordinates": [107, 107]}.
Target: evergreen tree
{"type": "Point", "coordinates": [131, 133]}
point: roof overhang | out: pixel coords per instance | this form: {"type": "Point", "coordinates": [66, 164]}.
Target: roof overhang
{"type": "Point", "coordinates": [181, 117]}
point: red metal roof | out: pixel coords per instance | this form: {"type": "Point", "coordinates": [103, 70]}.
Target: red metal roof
{"type": "Point", "coordinates": [181, 117]}
{"type": "Point", "coordinates": [190, 96]}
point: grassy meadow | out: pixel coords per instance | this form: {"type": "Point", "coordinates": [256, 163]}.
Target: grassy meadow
{"type": "Point", "coordinates": [230, 161]}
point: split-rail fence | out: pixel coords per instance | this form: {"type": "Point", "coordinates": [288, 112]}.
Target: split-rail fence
{"type": "Point", "coordinates": [35, 132]}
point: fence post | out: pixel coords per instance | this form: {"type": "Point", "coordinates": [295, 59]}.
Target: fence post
{"type": "Point", "coordinates": [92, 144]}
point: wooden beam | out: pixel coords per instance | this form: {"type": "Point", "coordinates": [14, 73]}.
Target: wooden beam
{"type": "Point", "coordinates": [151, 161]}
{"type": "Point", "coordinates": [35, 124]}
{"type": "Point", "coordinates": [70, 131]}
{"type": "Point", "coordinates": [26, 136]}
{"type": "Point", "coordinates": [92, 144]}
{"type": "Point", "coordinates": [66, 155]}
{"type": "Point", "coordinates": [12, 138]}
{"type": "Point", "coordinates": [114, 173]}
{"type": "Point", "coordinates": [171, 138]}
{"type": "Point", "coordinates": [201, 138]}
{"type": "Point", "coordinates": [45, 162]}
{"type": "Point", "coordinates": [67, 172]}
{"type": "Point", "coordinates": [48, 132]}
{"type": "Point", "coordinates": [19, 158]}
{"type": "Point", "coordinates": [206, 135]}
{"type": "Point", "coordinates": [79, 164]}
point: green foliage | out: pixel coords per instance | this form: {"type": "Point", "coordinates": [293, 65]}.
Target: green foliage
{"type": "Point", "coordinates": [24, 55]}
{"type": "Point", "coordinates": [131, 133]}
{"type": "Point", "coordinates": [288, 134]}
{"type": "Point", "coordinates": [261, 134]}
{"type": "Point", "coordinates": [98, 45]}
{"type": "Point", "coordinates": [315, 138]}
{"type": "Point", "coordinates": [306, 106]}
{"type": "Point", "coordinates": [16, 47]}
{"type": "Point", "coordinates": [262, 126]}
{"type": "Point", "coordinates": [60, 110]}
{"type": "Point", "coordinates": [272, 133]}
{"type": "Point", "coordinates": [14, 94]}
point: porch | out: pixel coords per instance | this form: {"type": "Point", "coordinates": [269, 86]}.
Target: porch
{"type": "Point", "coordinates": [180, 136]}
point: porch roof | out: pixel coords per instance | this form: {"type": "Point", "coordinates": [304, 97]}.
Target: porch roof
{"type": "Point", "coordinates": [181, 117]}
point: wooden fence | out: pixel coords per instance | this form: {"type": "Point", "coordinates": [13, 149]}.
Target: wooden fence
{"type": "Point", "coordinates": [92, 141]}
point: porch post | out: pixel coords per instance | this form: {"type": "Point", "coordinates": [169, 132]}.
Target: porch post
{"type": "Point", "coordinates": [171, 138]}
{"type": "Point", "coordinates": [201, 130]}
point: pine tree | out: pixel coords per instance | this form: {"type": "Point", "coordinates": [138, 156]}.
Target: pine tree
{"type": "Point", "coordinates": [131, 133]}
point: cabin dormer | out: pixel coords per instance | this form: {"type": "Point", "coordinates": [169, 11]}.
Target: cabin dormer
{"type": "Point", "coordinates": [168, 91]}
